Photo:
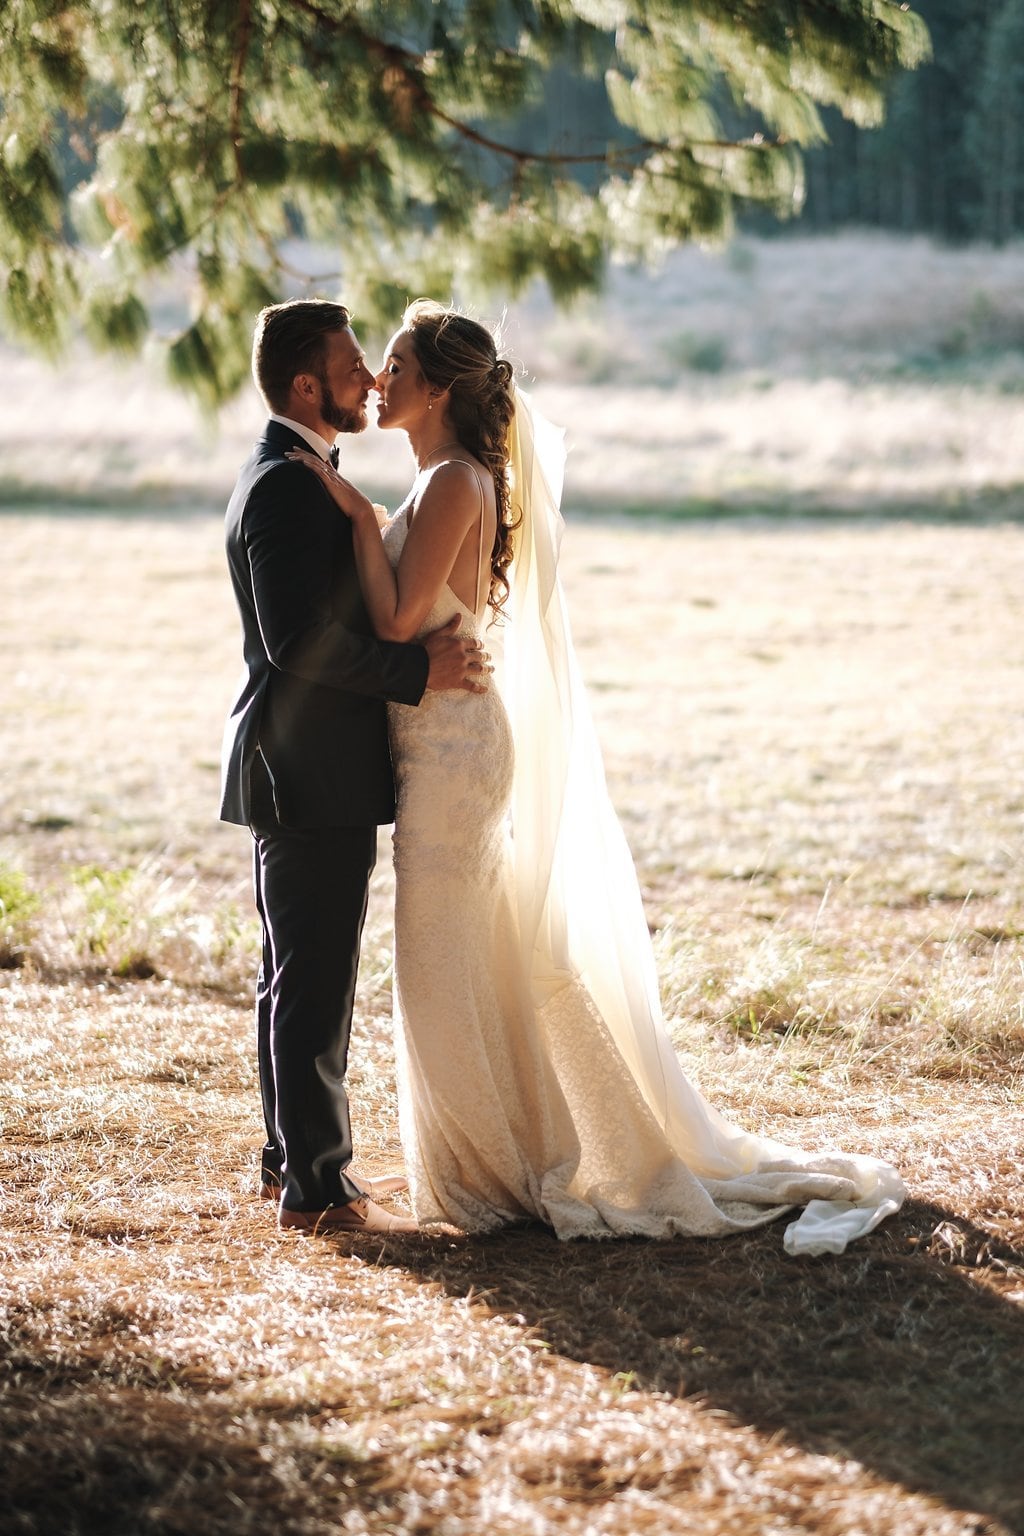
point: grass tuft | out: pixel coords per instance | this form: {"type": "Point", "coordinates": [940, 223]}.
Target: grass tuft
{"type": "Point", "coordinates": [19, 908]}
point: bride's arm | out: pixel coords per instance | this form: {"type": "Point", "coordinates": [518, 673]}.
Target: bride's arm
{"type": "Point", "coordinates": [399, 601]}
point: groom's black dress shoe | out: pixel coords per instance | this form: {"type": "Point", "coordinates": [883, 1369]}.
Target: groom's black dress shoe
{"type": "Point", "coordinates": [360, 1216]}
{"type": "Point", "coordinates": [374, 1189]}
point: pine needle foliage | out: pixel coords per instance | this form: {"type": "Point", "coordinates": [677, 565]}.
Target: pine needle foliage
{"type": "Point", "coordinates": [204, 135]}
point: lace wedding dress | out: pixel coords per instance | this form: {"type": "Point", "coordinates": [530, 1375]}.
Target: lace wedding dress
{"type": "Point", "coordinates": [536, 1080]}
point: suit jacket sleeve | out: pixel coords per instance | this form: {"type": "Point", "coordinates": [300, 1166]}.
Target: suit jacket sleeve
{"type": "Point", "coordinates": [291, 531]}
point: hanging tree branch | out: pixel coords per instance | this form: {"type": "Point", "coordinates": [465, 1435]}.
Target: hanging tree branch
{"type": "Point", "coordinates": [410, 65]}
{"type": "Point", "coordinates": [244, 39]}
{"type": "Point", "coordinates": [246, 123]}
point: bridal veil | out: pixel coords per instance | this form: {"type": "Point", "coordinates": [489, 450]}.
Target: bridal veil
{"type": "Point", "coordinates": [580, 911]}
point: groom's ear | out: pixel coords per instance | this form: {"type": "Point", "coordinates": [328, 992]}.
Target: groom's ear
{"type": "Point", "coordinates": [306, 385]}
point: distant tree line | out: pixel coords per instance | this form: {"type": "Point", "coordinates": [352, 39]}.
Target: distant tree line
{"type": "Point", "coordinates": [949, 157]}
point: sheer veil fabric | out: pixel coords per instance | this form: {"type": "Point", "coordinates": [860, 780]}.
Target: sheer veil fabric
{"type": "Point", "coordinates": [580, 912]}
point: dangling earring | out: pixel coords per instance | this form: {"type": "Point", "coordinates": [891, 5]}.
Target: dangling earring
{"type": "Point", "coordinates": [430, 402]}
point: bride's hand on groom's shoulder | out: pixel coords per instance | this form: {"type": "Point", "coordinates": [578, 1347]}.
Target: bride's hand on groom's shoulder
{"type": "Point", "coordinates": [347, 496]}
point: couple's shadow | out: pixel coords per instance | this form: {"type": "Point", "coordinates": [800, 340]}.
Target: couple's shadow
{"type": "Point", "coordinates": [898, 1354]}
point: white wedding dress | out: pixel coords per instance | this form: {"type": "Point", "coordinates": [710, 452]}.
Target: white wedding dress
{"type": "Point", "coordinates": [536, 1080]}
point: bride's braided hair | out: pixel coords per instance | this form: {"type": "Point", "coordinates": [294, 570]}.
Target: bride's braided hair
{"type": "Point", "coordinates": [458, 354]}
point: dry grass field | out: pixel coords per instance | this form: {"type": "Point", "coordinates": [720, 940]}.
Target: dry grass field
{"type": "Point", "coordinates": [813, 733]}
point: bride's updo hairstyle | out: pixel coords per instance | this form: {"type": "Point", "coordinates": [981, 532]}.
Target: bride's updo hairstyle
{"type": "Point", "coordinates": [458, 354]}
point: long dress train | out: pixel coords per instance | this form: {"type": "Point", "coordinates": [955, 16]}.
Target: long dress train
{"type": "Point", "coordinates": [536, 1079]}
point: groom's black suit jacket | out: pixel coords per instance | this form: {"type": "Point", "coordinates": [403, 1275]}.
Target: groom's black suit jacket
{"type": "Point", "coordinates": [311, 701]}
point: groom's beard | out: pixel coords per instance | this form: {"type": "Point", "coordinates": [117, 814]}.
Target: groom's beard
{"type": "Point", "coordinates": [336, 415]}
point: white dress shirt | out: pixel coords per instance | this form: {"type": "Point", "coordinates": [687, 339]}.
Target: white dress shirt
{"type": "Point", "coordinates": [318, 444]}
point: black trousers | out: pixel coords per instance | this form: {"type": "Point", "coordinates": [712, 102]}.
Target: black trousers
{"type": "Point", "coordinates": [311, 892]}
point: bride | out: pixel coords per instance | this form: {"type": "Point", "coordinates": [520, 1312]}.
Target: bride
{"type": "Point", "coordinates": [536, 1077]}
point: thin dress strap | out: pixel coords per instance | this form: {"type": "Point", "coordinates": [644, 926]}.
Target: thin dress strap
{"type": "Point", "coordinates": [480, 532]}
{"type": "Point", "coordinates": [479, 548]}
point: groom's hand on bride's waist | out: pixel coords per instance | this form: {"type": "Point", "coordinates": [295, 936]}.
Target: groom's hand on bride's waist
{"type": "Point", "coordinates": [456, 661]}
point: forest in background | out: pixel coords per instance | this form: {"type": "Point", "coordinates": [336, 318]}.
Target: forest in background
{"type": "Point", "coordinates": [949, 158]}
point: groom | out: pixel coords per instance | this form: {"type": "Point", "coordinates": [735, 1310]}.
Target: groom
{"type": "Point", "coordinates": [306, 764]}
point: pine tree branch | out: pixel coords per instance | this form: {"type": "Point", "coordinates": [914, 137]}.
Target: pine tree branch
{"type": "Point", "coordinates": [409, 65]}
{"type": "Point", "coordinates": [244, 39]}
{"type": "Point", "coordinates": [189, 236]}
{"type": "Point", "coordinates": [202, 107]}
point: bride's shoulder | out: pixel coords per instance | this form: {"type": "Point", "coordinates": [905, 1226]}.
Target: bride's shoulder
{"type": "Point", "coordinates": [450, 482]}
{"type": "Point", "coordinates": [462, 465]}
{"type": "Point", "coordinates": [464, 479]}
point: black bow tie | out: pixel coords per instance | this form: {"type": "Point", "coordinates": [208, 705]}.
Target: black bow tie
{"type": "Point", "coordinates": [334, 456]}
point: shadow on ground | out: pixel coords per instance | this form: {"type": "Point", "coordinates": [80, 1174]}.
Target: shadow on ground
{"type": "Point", "coordinates": [899, 1354]}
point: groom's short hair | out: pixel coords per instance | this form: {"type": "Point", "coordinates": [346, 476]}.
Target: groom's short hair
{"type": "Point", "coordinates": [290, 339]}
